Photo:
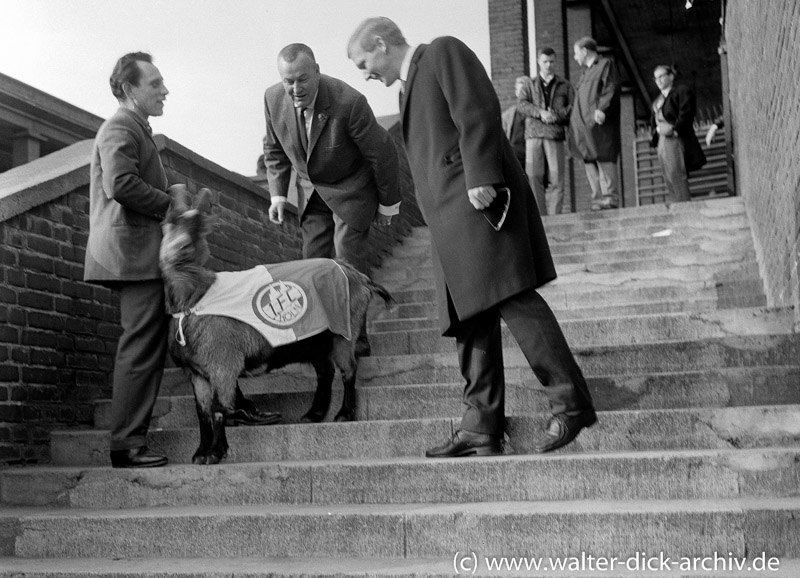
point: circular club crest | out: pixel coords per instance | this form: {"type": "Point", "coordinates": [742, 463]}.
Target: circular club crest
{"type": "Point", "coordinates": [281, 303]}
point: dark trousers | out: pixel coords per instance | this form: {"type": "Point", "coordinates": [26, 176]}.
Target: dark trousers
{"type": "Point", "coordinates": [480, 353]}
{"type": "Point", "coordinates": [139, 364]}
{"type": "Point", "coordinates": [327, 236]}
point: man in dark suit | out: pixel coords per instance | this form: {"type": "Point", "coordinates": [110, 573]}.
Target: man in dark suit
{"type": "Point", "coordinates": [672, 123]}
{"type": "Point", "coordinates": [346, 163]}
{"type": "Point", "coordinates": [128, 198]}
{"type": "Point", "coordinates": [459, 159]}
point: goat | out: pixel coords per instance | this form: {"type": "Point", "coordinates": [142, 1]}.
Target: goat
{"type": "Point", "coordinates": [215, 350]}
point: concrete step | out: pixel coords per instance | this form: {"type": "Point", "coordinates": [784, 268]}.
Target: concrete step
{"type": "Point", "coordinates": [579, 279]}
{"type": "Point", "coordinates": [690, 428]}
{"type": "Point", "coordinates": [691, 527]}
{"type": "Point", "coordinates": [718, 214]}
{"type": "Point", "coordinates": [575, 302]}
{"type": "Point", "coordinates": [684, 225]}
{"type": "Point", "coordinates": [682, 566]}
{"type": "Point", "coordinates": [636, 359]}
{"type": "Point", "coordinates": [721, 388]}
{"type": "Point", "coordinates": [421, 335]}
{"type": "Point", "coordinates": [665, 240]}
{"type": "Point", "coordinates": [646, 475]}
{"type": "Point", "coordinates": [706, 301]}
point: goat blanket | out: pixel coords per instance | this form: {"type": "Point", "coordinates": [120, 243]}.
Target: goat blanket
{"type": "Point", "coordinates": [286, 302]}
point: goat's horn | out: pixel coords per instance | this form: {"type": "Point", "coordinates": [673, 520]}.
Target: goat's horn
{"type": "Point", "coordinates": [202, 200]}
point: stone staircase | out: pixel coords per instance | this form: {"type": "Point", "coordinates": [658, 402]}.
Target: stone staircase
{"type": "Point", "coordinates": [696, 453]}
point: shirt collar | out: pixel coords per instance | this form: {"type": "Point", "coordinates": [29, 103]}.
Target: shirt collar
{"type": "Point", "coordinates": [407, 62]}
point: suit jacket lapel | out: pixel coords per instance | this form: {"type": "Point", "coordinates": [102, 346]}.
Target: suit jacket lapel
{"type": "Point", "coordinates": [412, 72]}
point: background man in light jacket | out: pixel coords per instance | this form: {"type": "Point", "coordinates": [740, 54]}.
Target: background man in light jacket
{"type": "Point", "coordinates": [547, 104]}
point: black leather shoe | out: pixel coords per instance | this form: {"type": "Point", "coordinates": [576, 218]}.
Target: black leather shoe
{"type": "Point", "coordinates": [467, 443]}
{"type": "Point", "coordinates": [562, 429]}
{"type": "Point", "coordinates": [253, 417]}
{"type": "Point", "coordinates": [142, 457]}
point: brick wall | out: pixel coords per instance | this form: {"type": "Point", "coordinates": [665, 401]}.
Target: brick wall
{"type": "Point", "coordinates": [58, 334]}
{"type": "Point", "coordinates": [508, 31]}
{"type": "Point", "coordinates": [763, 44]}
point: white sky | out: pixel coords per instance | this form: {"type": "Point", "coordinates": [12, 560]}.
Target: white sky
{"type": "Point", "coordinates": [217, 56]}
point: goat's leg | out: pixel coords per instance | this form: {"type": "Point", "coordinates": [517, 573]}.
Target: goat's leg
{"type": "Point", "coordinates": [344, 358]}
{"type": "Point", "coordinates": [322, 397]}
{"type": "Point", "coordinates": [204, 403]}
{"type": "Point", "coordinates": [223, 383]}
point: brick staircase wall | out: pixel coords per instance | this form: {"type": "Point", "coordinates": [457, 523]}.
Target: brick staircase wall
{"type": "Point", "coordinates": [58, 334]}
{"type": "Point", "coordinates": [766, 125]}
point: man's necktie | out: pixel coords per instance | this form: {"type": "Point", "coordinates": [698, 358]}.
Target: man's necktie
{"type": "Point", "coordinates": [301, 125]}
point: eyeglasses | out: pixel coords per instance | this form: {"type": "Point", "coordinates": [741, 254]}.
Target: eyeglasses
{"type": "Point", "coordinates": [660, 76]}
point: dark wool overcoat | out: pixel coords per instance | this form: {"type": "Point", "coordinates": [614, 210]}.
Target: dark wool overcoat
{"type": "Point", "coordinates": [454, 137]}
{"type": "Point", "coordinates": [679, 110]}
{"type": "Point", "coordinates": [598, 89]}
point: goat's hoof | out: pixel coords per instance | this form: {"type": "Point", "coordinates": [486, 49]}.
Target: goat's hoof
{"type": "Point", "coordinates": [345, 415]}
{"type": "Point", "coordinates": [207, 459]}
{"type": "Point", "coordinates": [313, 417]}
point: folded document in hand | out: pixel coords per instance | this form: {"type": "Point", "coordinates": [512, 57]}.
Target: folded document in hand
{"type": "Point", "coordinates": [496, 212]}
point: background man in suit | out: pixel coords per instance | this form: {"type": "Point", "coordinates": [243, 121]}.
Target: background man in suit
{"type": "Point", "coordinates": [594, 123]}
{"type": "Point", "coordinates": [546, 102]}
{"type": "Point", "coordinates": [128, 198]}
{"type": "Point", "coordinates": [346, 163]}
{"type": "Point", "coordinates": [459, 156]}
{"type": "Point", "coordinates": [672, 123]}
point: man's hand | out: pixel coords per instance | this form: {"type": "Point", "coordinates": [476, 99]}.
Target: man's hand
{"type": "Point", "coordinates": [276, 211]}
{"type": "Point", "coordinates": [481, 197]}
{"type": "Point", "coordinates": [382, 220]}
{"type": "Point", "coordinates": [548, 117]}
{"type": "Point", "coordinates": [665, 129]}
{"type": "Point", "coordinates": [599, 117]}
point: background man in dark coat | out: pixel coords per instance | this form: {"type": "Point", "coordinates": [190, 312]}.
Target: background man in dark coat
{"type": "Point", "coordinates": [594, 123]}
{"type": "Point", "coordinates": [672, 123]}
{"type": "Point", "coordinates": [459, 157]}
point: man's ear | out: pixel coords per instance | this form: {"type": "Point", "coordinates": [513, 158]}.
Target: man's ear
{"type": "Point", "coordinates": [380, 43]}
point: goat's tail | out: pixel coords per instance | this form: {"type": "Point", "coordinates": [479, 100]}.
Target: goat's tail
{"type": "Point", "coordinates": [381, 292]}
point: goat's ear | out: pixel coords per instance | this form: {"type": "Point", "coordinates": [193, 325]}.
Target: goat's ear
{"type": "Point", "coordinates": [202, 201]}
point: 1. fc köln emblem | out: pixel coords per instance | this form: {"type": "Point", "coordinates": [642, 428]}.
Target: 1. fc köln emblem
{"type": "Point", "coordinates": [281, 303]}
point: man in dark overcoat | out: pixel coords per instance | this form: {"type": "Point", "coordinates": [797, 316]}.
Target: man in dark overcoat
{"type": "Point", "coordinates": [594, 133]}
{"type": "Point", "coordinates": [672, 122]}
{"type": "Point", "coordinates": [460, 158]}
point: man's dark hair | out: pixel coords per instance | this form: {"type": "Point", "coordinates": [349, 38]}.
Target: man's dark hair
{"type": "Point", "coordinates": [546, 51]}
{"type": "Point", "coordinates": [290, 52]}
{"type": "Point", "coordinates": [127, 70]}
{"type": "Point", "coordinates": [588, 43]}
